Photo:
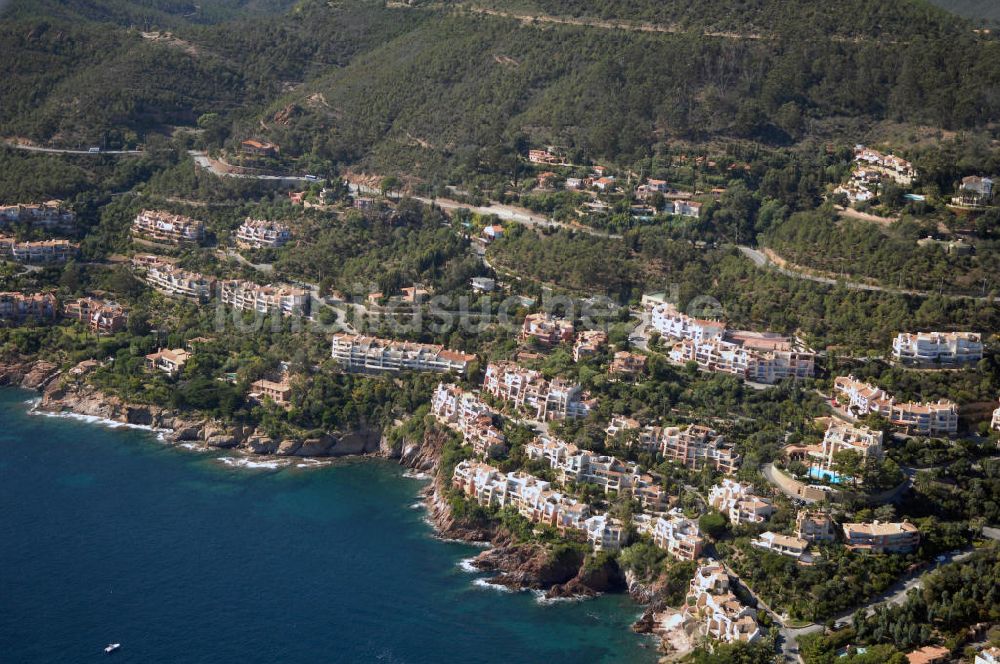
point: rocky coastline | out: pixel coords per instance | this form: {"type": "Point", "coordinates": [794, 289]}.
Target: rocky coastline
{"type": "Point", "coordinates": [518, 566]}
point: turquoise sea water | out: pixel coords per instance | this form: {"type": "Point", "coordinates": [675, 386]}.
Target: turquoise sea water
{"type": "Point", "coordinates": [109, 535]}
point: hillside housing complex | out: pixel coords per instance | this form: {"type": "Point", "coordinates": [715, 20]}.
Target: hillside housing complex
{"type": "Point", "coordinates": [249, 296]}
{"type": "Point", "coordinates": [470, 416]}
{"type": "Point", "coordinates": [758, 357]}
{"type": "Point", "coordinates": [15, 306]}
{"type": "Point", "coordinates": [926, 419]}
{"type": "Point", "coordinates": [50, 215]}
{"type": "Point", "coordinates": [171, 280]}
{"type": "Point", "coordinates": [945, 348]}
{"type": "Point", "coordinates": [37, 252]}
{"type": "Point", "coordinates": [529, 390]}
{"type": "Point", "coordinates": [363, 354]}
{"type": "Point", "coordinates": [262, 234]}
{"type": "Point", "coordinates": [160, 226]}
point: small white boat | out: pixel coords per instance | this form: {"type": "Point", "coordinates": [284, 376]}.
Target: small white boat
{"type": "Point", "coordinates": [111, 647]}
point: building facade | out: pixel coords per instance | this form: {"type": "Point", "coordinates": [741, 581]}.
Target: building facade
{"type": "Point", "coordinates": [101, 316]}
{"type": "Point", "coordinates": [944, 348]}
{"type": "Point", "coordinates": [262, 234]}
{"type": "Point", "coordinates": [529, 390]}
{"type": "Point", "coordinates": [36, 253]}
{"type": "Point", "coordinates": [882, 537]}
{"type": "Point", "coordinates": [363, 354]}
{"type": "Point", "coordinates": [170, 280]}
{"type": "Point", "coordinates": [16, 306]}
{"type": "Point", "coordinates": [927, 419]}
{"type": "Point", "coordinates": [160, 226]}
{"type": "Point", "coordinates": [269, 299]}
{"type": "Point", "coordinates": [50, 215]}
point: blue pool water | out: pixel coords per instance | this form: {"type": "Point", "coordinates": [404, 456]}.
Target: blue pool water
{"type": "Point", "coordinates": [108, 535]}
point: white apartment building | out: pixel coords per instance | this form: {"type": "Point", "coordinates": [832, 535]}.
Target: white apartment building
{"type": "Point", "coordinates": [670, 322]}
{"type": "Point", "coordinates": [995, 423]}
{"type": "Point", "coordinates": [536, 501]}
{"type": "Point", "coordinates": [839, 437]}
{"type": "Point", "coordinates": [754, 358]}
{"type": "Point", "coordinates": [248, 296]}
{"type": "Point", "coordinates": [160, 226]}
{"type": "Point", "coordinates": [715, 610]}
{"type": "Point", "coordinates": [17, 306]}
{"type": "Point", "coordinates": [814, 526]}
{"type": "Point", "coordinates": [529, 390]}
{"type": "Point", "coordinates": [260, 233]}
{"type": "Point", "coordinates": [989, 655]}
{"type": "Point", "coordinates": [694, 446]}
{"type": "Point", "coordinates": [928, 419]}
{"type": "Point", "coordinates": [672, 532]}
{"type": "Point", "coordinates": [944, 348]}
{"type": "Point", "coordinates": [604, 533]}
{"type": "Point", "coordinates": [173, 281]}
{"type": "Point", "coordinates": [363, 354]}
{"type": "Point", "coordinates": [48, 215]}
{"type": "Point", "coordinates": [469, 415]}
{"type": "Point", "coordinates": [880, 537]}
{"type": "Point", "coordinates": [608, 472]}
{"type": "Point", "coordinates": [739, 503]}
{"type": "Point", "coordinates": [40, 252]}
{"type": "Point", "coordinates": [786, 545]}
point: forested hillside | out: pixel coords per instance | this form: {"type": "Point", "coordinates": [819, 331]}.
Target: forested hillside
{"type": "Point", "coordinates": [471, 81]}
{"type": "Point", "coordinates": [862, 19]}
{"type": "Point", "coordinates": [435, 87]}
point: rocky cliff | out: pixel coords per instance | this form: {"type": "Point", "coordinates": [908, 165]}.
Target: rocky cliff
{"type": "Point", "coordinates": [70, 392]}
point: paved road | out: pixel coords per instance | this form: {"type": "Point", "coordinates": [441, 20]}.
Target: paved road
{"type": "Point", "coordinates": [761, 260]}
{"type": "Point", "coordinates": [35, 148]}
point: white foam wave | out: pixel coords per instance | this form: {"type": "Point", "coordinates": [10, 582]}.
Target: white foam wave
{"type": "Point", "coordinates": [417, 506]}
{"type": "Point", "coordinates": [465, 564]}
{"type": "Point", "coordinates": [485, 583]}
{"type": "Point", "coordinates": [540, 598]}
{"type": "Point", "coordinates": [314, 463]}
{"type": "Point", "coordinates": [244, 462]}
{"type": "Point", "coordinates": [416, 475]}
{"type": "Point", "coordinates": [94, 419]}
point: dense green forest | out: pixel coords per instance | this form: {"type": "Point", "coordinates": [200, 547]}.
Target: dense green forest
{"type": "Point", "coordinates": [324, 80]}
{"type": "Point", "coordinates": [854, 18]}
{"type": "Point", "coordinates": [819, 239]}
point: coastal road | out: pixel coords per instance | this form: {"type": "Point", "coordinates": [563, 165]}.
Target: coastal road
{"type": "Point", "coordinates": [34, 148]}
{"type": "Point", "coordinates": [761, 260]}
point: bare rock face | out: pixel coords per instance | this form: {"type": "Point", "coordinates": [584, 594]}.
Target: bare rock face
{"type": "Point", "coordinates": [592, 578]}
{"type": "Point", "coordinates": [288, 447]}
{"type": "Point", "coordinates": [39, 374]}
{"type": "Point", "coordinates": [529, 566]}
{"type": "Point", "coordinates": [259, 443]}
{"type": "Point", "coordinates": [13, 370]}
{"type": "Point", "coordinates": [221, 440]}
{"type": "Point", "coordinates": [363, 440]}
{"type": "Point", "coordinates": [315, 446]}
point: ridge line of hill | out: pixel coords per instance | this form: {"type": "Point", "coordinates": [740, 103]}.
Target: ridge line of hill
{"type": "Point", "coordinates": [534, 19]}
